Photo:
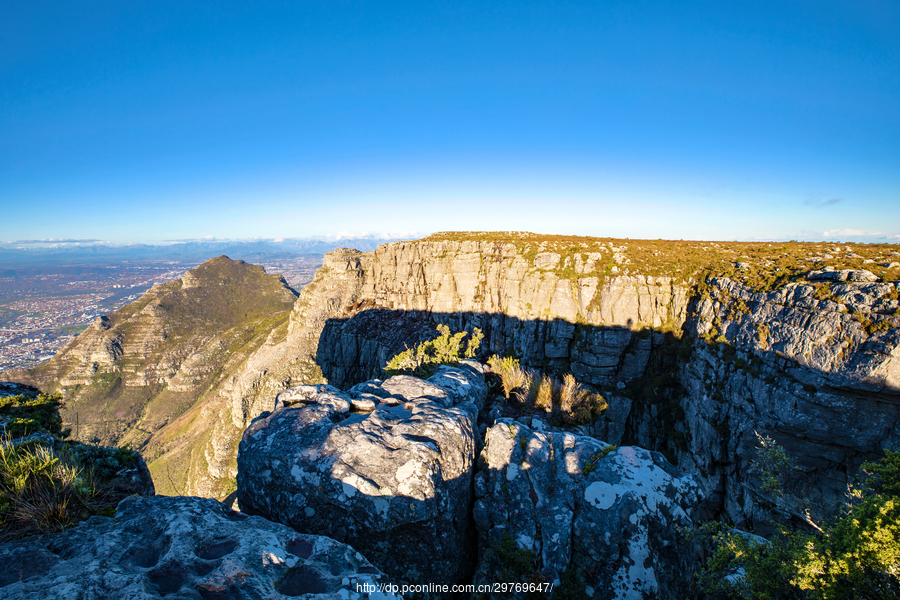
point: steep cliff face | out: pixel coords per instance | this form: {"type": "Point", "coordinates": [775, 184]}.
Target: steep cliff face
{"type": "Point", "coordinates": [818, 372]}
{"type": "Point", "coordinates": [692, 364]}
{"type": "Point", "coordinates": [532, 305]}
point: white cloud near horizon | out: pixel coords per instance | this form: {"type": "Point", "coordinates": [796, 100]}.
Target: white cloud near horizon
{"type": "Point", "coordinates": [831, 233]}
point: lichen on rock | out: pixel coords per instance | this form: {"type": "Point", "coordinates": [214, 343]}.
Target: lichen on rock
{"type": "Point", "coordinates": [183, 547]}
{"type": "Point", "coordinates": [394, 482]}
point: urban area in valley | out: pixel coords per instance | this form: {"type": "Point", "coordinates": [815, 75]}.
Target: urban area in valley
{"type": "Point", "coordinates": [44, 308]}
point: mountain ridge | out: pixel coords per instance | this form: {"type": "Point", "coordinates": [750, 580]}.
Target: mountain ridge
{"type": "Point", "coordinates": [139, 369]}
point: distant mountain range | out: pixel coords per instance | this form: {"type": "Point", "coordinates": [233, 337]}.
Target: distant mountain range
{"type": "Point", "coordinates": [22, 255]}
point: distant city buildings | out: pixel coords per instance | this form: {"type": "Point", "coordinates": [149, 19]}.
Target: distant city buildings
{"type": "Point", "coordinates": [42, 310]}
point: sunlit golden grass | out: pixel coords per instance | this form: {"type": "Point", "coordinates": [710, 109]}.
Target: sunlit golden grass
{"type": "Point", "coordinates": [761, 266]}
{"type": "Point", "coordinates": [568, 401]}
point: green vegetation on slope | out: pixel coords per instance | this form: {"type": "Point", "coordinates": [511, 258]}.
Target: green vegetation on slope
{"type": "Point", "coordinates": [857, 556]}
{"type": "Point", "coordinates": [47, 484]}
{"type": "Point", "coordinates": [169, 351]}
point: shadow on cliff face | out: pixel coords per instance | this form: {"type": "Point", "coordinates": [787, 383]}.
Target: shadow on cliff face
{"type": "Point", "coordinates": [699, 402]}
{"type": "Point", "coordinates": [354, 349]}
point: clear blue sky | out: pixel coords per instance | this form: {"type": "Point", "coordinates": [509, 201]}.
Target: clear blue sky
{"type": "Point", "coordinates": [147, 121]}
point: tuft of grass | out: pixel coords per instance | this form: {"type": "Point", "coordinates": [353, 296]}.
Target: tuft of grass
{"type": "Point", "coordinates": [45, 488]}
{"type": "Point", "coordinates": [512, 376]}
{"type": "Point", "coordinates": [568, 401]}
{"type": "Point", "coordinates": [40, 491]}
{"type": "Point", "coordinates": [543, 399]}
{"type": "Point", "coordinates": [47, 484]}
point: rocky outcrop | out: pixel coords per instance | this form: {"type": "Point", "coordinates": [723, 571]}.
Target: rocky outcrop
{"type": "Point", "coordinates": [811, 362]}
{"type": "Point", "coordinates": [386, 467]}
{"type": "Point", "coordinates": [608, 516]}
{"type": "Point", "coordinates": [846, 338]}
{"type": "Point", "coordinates": [815, 374]}
{"type": "Point", "coordinates": [183, 548]}
{"type": "Point", "coordinates": [813, 367]}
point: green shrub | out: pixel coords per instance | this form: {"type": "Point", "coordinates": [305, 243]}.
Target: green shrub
{"type": "Point", "coordinates": [884, 475]}
{"type": "Point", "coordinates": [856, 556]}
{"type": "Point", "coordinates": [504, 561]}
{"type": "Point", "coordinates": [773, 464]}
{"type": "Point", "coordinates": [445, 349]}
{"type": "Point", "coordinates": [23, 415]}
{"type": "Point", "coordinates": [591, 464]}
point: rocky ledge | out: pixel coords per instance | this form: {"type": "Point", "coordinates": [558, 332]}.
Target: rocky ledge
{"type": "Point", "coordinates": [181, 547]}
{"type": "Point", "coordinates": [608, 515]}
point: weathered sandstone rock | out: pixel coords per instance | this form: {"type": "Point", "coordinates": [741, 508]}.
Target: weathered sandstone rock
{"type": "Point", "coordinates": [394, 482]}
{"type": "Point", "coordinates": [178, 547]}
{"type": "Point", "coordinates": [799, 369]}
{"type": "Point", "coordinates": [816, 369]}
{"type": "Point", "coordinates": [612, 517]}
{"type": "Point", "coordinates": [813, 364]}
{"type": "Point", "coordinates": [525, 306]}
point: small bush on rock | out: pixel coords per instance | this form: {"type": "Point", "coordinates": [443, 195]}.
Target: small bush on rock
{"type": "Point", "coordinates": [445, 349]}
{"type": "Point", "coordinates": [504, 561]}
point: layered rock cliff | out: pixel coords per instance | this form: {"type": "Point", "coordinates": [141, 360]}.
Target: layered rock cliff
{"type": "Point", "coordinates": [738, 340]}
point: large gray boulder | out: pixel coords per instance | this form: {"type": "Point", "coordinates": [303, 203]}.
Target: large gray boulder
{"type": "Point", "coordinates": [181, 547]}
{"type": "Point", "coordinates": [609, 516]}
{"type": "Point", "coordinates": [386, 467]}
